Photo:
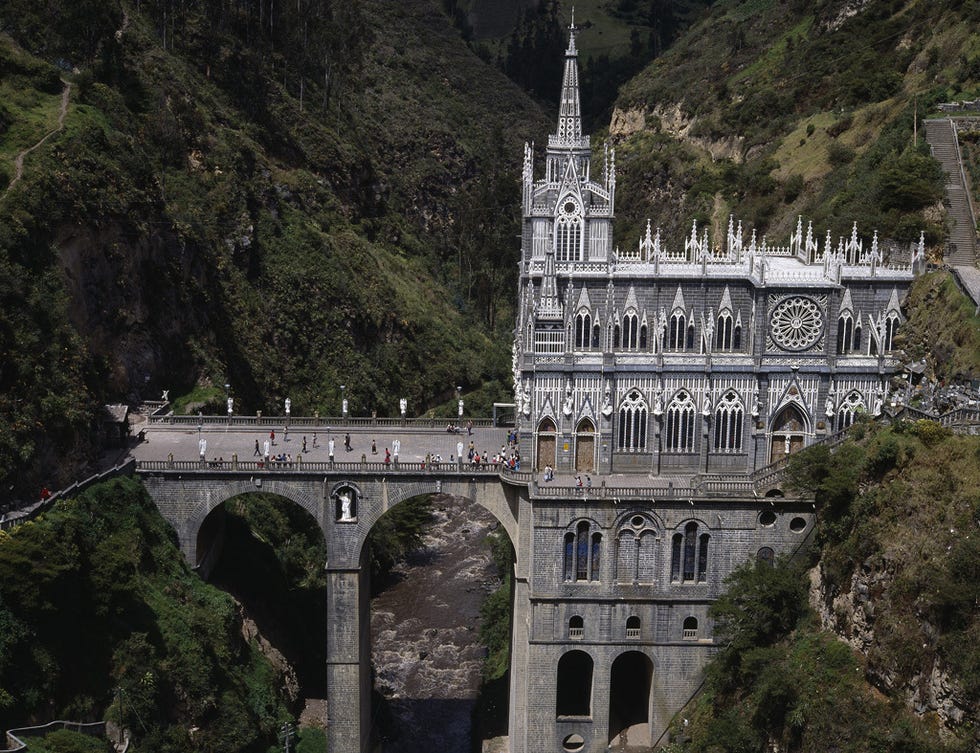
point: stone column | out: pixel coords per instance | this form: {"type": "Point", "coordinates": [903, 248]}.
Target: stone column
{"type": "Point", "coordinates": [348, 674]}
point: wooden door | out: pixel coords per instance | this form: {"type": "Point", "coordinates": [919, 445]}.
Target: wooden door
{"type": "Point", "coordinates": [585, 453]}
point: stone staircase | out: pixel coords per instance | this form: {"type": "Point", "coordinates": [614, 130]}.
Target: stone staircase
{"type": "Point", "coordinates": [941, 136]}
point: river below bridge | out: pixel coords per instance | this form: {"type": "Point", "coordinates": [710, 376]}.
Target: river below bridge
{"type": "Point", "coordinates": [425, 634]}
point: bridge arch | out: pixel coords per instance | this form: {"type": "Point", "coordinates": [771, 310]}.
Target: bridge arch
{"type": "Point", "coordinates": [215, 496]}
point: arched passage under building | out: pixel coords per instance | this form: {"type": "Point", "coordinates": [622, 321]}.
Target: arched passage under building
{"type": "Point", "coordinates": [630, 681]}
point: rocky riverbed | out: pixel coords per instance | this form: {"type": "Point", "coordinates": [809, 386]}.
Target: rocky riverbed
{"type": "Point", "coordinates": [425, 633]}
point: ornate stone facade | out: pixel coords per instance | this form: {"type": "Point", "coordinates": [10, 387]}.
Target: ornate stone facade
{"type": "Point", "coordinates": [654, 371]}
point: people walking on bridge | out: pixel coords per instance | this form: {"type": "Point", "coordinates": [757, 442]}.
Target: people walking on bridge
{"type": "Point", "coordinates": [272, 437]}
{"type": "Point", "coordinates": [304, 444]}
{"type": "Point", "coordinates": [258, 452]}
{"type": "Point", "coordinates": [549, 473]}
{"type": "Point", "coordinates": [314, 441]}
{"type": "Point", "coordinates": [374, 448]}
{"type": "Point", "coordinates": [347, 442]}
{"type": "Point", "coordinates": [387, 456]}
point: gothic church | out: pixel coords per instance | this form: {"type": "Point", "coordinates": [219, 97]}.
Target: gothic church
{"type": "Point", "coordinates": [671, 379]}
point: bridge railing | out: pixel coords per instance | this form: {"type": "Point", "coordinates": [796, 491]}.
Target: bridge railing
{"type": "Point", "coordinates": [304, 466]}
{"type": "Point", "coordinates": [319, 423]}
{"type": "Point", "coordinates": [615, 493]}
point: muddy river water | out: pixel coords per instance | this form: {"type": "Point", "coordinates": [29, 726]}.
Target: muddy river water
{"type": "Point", "coordinates": [425, 633]}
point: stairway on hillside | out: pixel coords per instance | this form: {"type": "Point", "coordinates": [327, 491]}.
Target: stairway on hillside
{"type": "Point", "coordinates": [941, 136]}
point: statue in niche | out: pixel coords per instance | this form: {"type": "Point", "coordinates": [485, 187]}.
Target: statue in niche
{"type": "Point", "coordinates": [607, 408]}
{"type": "Point", "coordinates": [346, 505]}
{"type": "Point", "coordinates": [569, 403]}
{"type": "Point", "coordinates": [829, 408]}
{"type": "Point", "coordinates": [527, 399]}
{"type": "Point", "coordinates": [755, 404]}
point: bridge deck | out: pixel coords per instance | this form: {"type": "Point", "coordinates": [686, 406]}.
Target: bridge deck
{"type": "Point", "coordinates": [231, 449]}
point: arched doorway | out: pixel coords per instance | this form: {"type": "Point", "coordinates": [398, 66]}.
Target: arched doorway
{"type": "Point", "coordinates": [788, 432]}
{"type": "Point", "coordinates": [585, 446]}
{"type": "Point", "coordinates": [629, 700]}
{"type": "Point", "coordinates": [547, 444]}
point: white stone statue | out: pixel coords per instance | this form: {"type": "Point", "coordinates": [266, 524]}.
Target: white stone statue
{"type": "Point", "coordinates": [527, 400]}
{"type": "Point", "coordinates": [345, 506]}
{"type": "Point", "coordinates": [607, 408]}
{"type": "Point", "coordinates": [569, 405]}
{"type": "Point", "coordinates": [755, 404]}
{"type": "Point", "coordinates": [829, 408]}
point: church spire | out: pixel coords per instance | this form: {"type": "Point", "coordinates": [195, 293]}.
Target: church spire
{"type": "Point", "coordinates": [570, 110]}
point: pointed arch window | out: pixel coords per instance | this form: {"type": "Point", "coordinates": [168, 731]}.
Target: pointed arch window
{"type": "Point", "coordinates": [583, 330]}
{"type": "Point", "coordinates": [729, 418]}
{"type": "Point", "coordinates": [737, 337]}
{"type": "Point", "coordinates": [857, 336]}
{"type": "Point", "coordinates": [680, 423]}
{"type": "Point", "coordinates": [891, 326]}
{"type": "Point", "coordinates": [689, 555]}
{"type": "Point", "coordinates": [630, 330]}
{"type": "Point", "coordinates": [845, 333]}
{"type": "Point", "coordinates": [643, 337]}
{"type": "Point", "coordinates": [724, 331]}
{"type": "Point", "coordinates": [568, 237]}
{"type": "Point", "coordinates": [616, 337]}
{"type": "Point", "coordinates": [677, 331]}
{"type": "Point", "coordinates": [633, 423]}
{"type": "Point", "coordinates": [849, 409]}
{"type": "Point", "coordinates": [596, 332]}
{"type": "Point", "coordinates": [690, 336]}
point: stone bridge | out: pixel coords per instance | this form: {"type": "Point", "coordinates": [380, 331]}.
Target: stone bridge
{"type": "Point", "coordinates": [346, 500]}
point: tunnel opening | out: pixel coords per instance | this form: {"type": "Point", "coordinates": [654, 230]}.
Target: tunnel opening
{"type": "Point", "coordinates": [269, 554]}
{"type": "Point", "coordinates": [436, 685]}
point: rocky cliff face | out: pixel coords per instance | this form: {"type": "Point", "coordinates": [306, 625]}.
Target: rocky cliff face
{"type": "Point", "coordinates": [851, 615]}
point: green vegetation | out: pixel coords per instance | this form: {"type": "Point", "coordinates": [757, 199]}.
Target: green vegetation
{"type": "Point", "coordinates": [397, 533]}
{"type": "Point", "coordinates": [281, 201]}
{"type": "Point", "coordinates": [101, 618]}
{"type": "Point", "coordinates": [67, 741]}
{"type": "Point", "coordinates": [942, 327]}
{"type": "Point", "coordinates": [799, 108]}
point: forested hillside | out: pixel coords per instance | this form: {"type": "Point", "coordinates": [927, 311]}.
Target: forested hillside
{"type": "Point", "coordinates": [283, 197]}
{"type": "Point", "coordinates": [770, 110]}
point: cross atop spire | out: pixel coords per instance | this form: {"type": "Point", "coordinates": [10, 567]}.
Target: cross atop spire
{"type": "Point", "coordinates": [572, 28]}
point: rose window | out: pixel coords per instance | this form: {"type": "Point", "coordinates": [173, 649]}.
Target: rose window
{"type": "Point", "coordinates": [796, 323]}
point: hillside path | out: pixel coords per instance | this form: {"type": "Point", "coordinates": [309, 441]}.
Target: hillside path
{"type": "Point", "coordinates": [19, 159]}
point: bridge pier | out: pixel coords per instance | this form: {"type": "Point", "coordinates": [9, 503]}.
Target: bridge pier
{"type": "Point", "coordinates": [348, 661]}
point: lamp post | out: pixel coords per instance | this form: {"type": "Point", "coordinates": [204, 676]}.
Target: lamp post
{"type": "Point", "coordinates": [343, 401]}
{"type": "Point", "coordinates": [230, 400]}
{"type": "Point", "coordinates": [289, 405]}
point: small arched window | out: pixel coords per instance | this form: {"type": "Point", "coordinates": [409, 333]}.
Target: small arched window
{"type": "Point", "coordinates": [689, 555]}
{"type": "Point", "coordinates": [576, 627]}
{"type": "Point", "coordinates": [766, 556]}
{"type": "Point", "coordinates": [633, 627]}
{"type": "Point", "coordinates": [690, 629]}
